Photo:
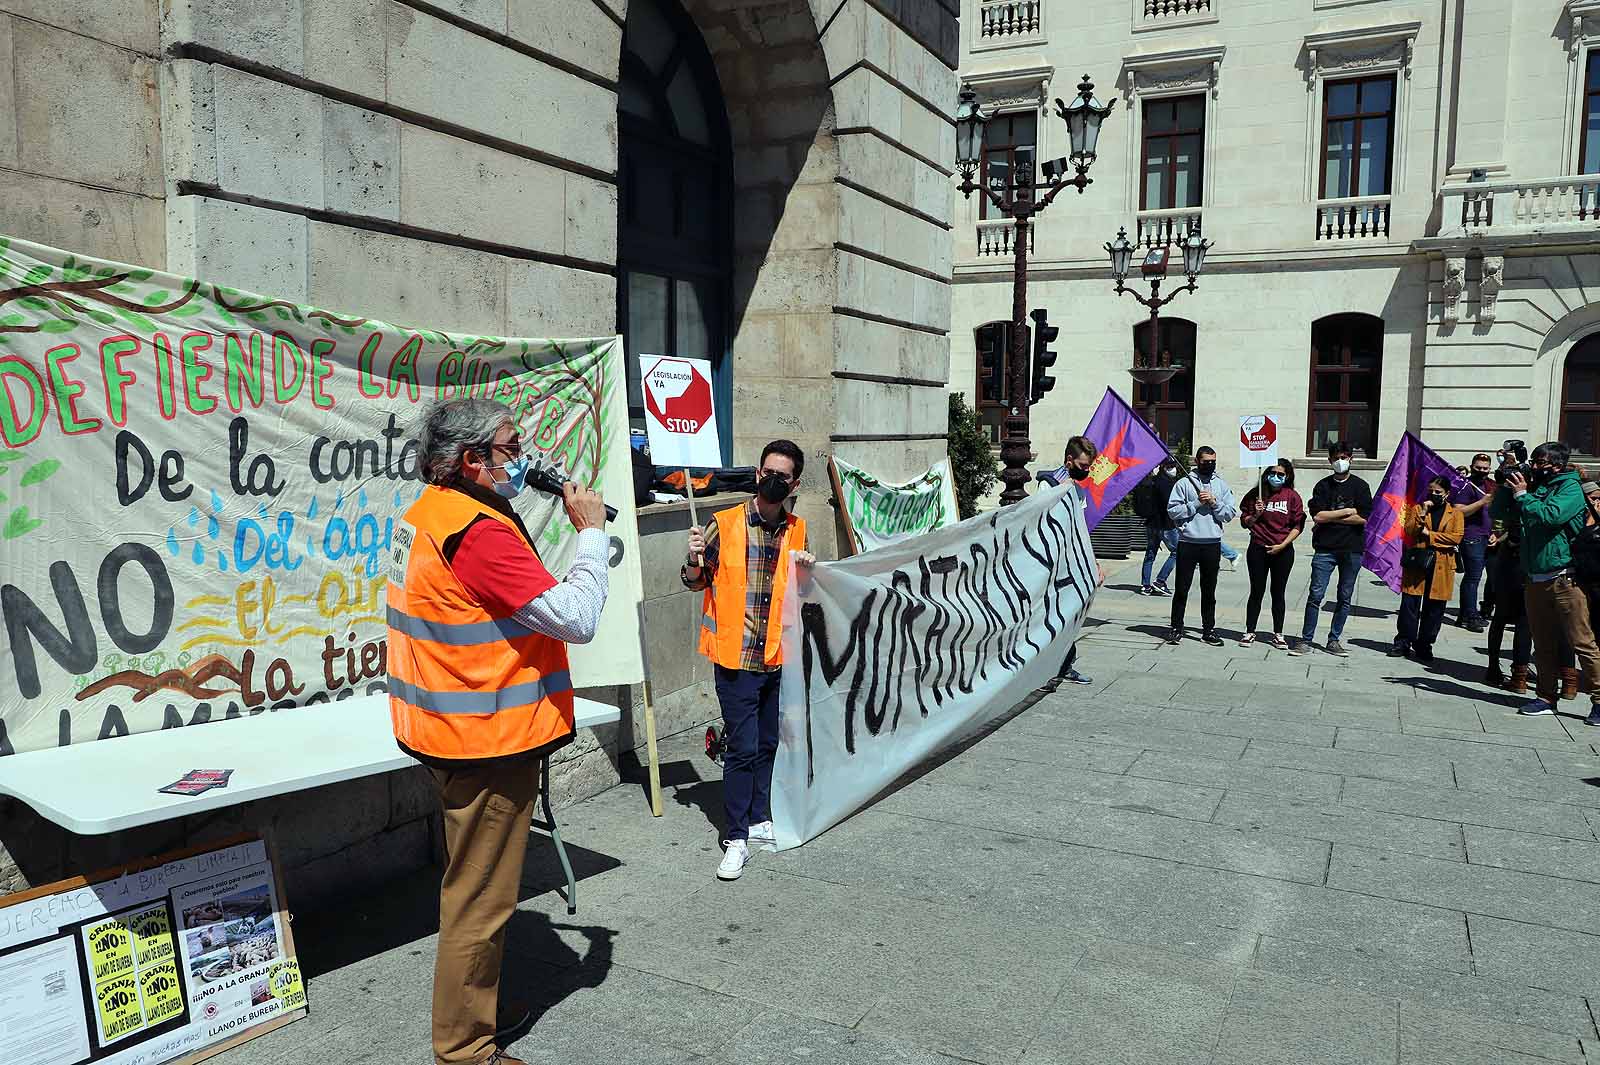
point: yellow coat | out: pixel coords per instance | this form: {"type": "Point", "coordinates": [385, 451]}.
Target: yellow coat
{"type": "Point", "coordinates": [1444, 539]}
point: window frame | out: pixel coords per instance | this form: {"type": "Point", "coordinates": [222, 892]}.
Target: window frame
{"type": "Point", "coordinates": [1143, 399]}
{"type": "Point", "coordinates": [1358, 117]}
{"type": "Point", "coordinates": [1590, 104]}
{"type": "Point", "coordinates": [1171, 179]}
{"type": "Point", "coordinates": [1343, 407]}
{"type": "Point", "coordinates": [1592, 411]}
{"type": "Point", "coordinates": [986, 210]}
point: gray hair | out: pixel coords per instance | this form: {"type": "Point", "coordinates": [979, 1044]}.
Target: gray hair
{"type": "Point", "coordinates": [451, 428]}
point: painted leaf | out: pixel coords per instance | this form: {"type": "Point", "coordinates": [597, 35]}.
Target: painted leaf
{"type": "Point", "coordinates": [40, 471]}
{"type": "Point", "coordinates": [103, 317]}
{"type": "Point", "coordinates": [139, 275]}
{"type": "Point", "coordinates": [36, 275]}
{"type": "Point", "coordinates": [193, 307]}
{"type": "Point", "coordinates": [57, 325]}
{"type": "Point", "coordinates": [12, 319]}
{"type": "Point", "coordinates": [158, 296]}
{"type": "Point", "coordinates": [74, 273]}
{"type": "Point", "coordinates": [20, 524]}
{"type": "Point", "coordinates": [34, 303]}
{"type": "Point", "coordinates": [7, 456]}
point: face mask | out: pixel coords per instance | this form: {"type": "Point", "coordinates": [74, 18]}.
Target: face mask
{"type": "Point", "coordinates": [1479, 476]}
{"type": "Point", "coordinates": [1170, 471]}
{"type": "Point", "coordinates": [1341, 466]}
{"type": "Point", "coordinates": [1438, 500]}
{"type": "Point", "coordinates": [773, 489]}
{"type": "Point", "coordinates": [1275, 480]}
{"type": "Point", "coordinates": [516, 477]}
{"type": "Point", "coordinates": [1206, 468]}
{"type": "Point", "coordinates": [1076, 474]}
{"type": "Point", "coordinates": [1540, 475]}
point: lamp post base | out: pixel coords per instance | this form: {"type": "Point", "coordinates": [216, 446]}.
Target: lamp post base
{"type": "Point", "coordinates": [1015, 452]}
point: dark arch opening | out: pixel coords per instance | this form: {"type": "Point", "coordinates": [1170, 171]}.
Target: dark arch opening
{"type": "Point", "coordinates": [1168, 407]}
{"type": "Point", "coordinates": [1346, 383]}
{"type": "Point", "coordinates": [1580, 396]}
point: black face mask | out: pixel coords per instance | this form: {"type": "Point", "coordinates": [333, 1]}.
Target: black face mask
{"type": "Point", "coordinates": [1206, 469]}
{"type": "Point", "coordinates": [1438, 500]}
{"type": "Point", "coordinates": [1540, 475]}
{"type": "Point", "coordinates": [1479, 476]}
{"type": "Point", "coordinates": [1076, 474]}
{"type": "Point", "coordinates": [772, 488]}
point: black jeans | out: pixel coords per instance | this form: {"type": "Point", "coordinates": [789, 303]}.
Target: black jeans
{"type": "Point", "coordinates": [1419, 623]}
{"type": "Point", "coordinates": [1261, 565]}
{"type": "Point", "coordinates": [1208, 557]}
{"type": "Point", "coordinates": [750, 726]}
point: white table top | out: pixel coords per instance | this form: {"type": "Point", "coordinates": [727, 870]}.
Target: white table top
{"type": "Point", "coordinates": [110, 785]}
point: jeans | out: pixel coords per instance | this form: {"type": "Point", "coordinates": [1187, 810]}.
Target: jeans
{"type": "Point", "coordinates": [1419, 623]}
{"type": "Point", "coordinates": [750, 727]}
{"type": "Point", "coordinates": [1322, 565]}
{"type": "Point", "coordinates": [1154, 537]}
{"type": "Point", "coordinates": [1558, 609]}
{"type": "Point", "coordinates": [1208, 558]}
{"type": "Point", "coordinates": [1227, 552]}
{"type": "Point", "coordinates": [1472, 554]}
{"type": "Point", "coordinates": [1261, 565]}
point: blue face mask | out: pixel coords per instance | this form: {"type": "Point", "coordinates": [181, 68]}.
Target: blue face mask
{"type": "Point", "coordinates": [1275, 480]}
{"type": "Point", "coordinates": [516, 477]}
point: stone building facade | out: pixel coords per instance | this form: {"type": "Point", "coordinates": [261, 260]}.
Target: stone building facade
{"type": "Point", "coordinates": [1401, 197]}
{"type": "Point", "coordinates": [486, 165]}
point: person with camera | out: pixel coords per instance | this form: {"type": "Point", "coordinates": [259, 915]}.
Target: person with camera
{"type": "Point", "coordinates": [1150, 503]}
{"type": "Point", "coordinates": [1200, 505]}
{"type": "Point", "coordinates": [1339, 507]}
{"type": "Point", "coordinates": [1473, 500]}
{"type": "Point", "coordinates": [741, 564]}
{"type": "Point", "coordinates": [1427, 571]}
{"type": "Point", "coordinates": [1505, 539]}
{"type": "Point", "coordinates": [1550, 503]}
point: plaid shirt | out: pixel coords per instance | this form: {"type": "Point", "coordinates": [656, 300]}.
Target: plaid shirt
{"type": "Point", "coordinates": [764, 548]}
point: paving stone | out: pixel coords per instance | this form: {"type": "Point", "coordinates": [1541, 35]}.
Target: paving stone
{"type": "Point", "coordinates": [1535, 784]}
{"type": "Point", "coordinates": [1138, 735]}
{"type": "Point", "coordinates": [1458, 713]}
{"type": "Point", "coordinates": [1275, 1023]}
{"type": "Point", "coordinates": [1015, 744]}
{"type": "Point", "coordinates": [1560, 742]}
{"type": "Point", "coordinates": [1581, 761]}
{"type": "Point", "coordinates": [1338, 823]}
{"type": "Point", "coordinates": [1551, 855]}
{"type": "Point", "coordinates": [1200, 692]}
{"type": "Point", "coordinates": [1466, 807]}
{"type": "Point", "coordinates": [1425, 1026]}
{"type": "Point", "coordinates": [1438, 747]}
{"type": "Point", "coordinates": [1236, 776]}
{"type": "Point", "coordinates": [1309, 733]}
{"type": "Point", "coordinates": [1277, 699]}
{"type": "Point", "coordinates": [1351, 763]}
{"type": "Point", "coordinates": [1079, 785]}
{"type": "Point", "coordinates": [1555, 958]}
{"type": "Point", "coordinates": [776, 1038]}
{"type": "Point", "coordinates": [1470, 888]}
{"type": "Point", "coordinates": [1145, 688]}
{"type": "Point", "coordinates": [1505, 720]}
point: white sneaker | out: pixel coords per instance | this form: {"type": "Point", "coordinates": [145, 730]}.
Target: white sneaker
{"type": "Point", "coordinates": [733, 859]}
{"type": "Point", "coordinates": [761, 837]}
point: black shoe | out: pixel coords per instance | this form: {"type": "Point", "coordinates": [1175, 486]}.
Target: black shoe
{"type": "Point", "coordinates": [1476, 625]}
{"type": "Point", "coordinates": [1174, 636]}
{"type": "Point", "coordinates": [1399, 650]}
{"type": "Point", "coordinates": [1422, 653]}
{"type": "Point", "coordinates": [1210, 637]}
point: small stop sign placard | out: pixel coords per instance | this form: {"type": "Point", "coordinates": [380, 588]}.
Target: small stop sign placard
{"type": "Point", "coordinates": [1258, 441]}
{"type": "Point", "coordinates": [680, 417]}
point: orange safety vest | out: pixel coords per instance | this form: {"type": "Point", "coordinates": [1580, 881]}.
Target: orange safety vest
{"type": "Point", "coordinates": [463, 683]}
{"type": "Point", "coordinates": [722, 616]}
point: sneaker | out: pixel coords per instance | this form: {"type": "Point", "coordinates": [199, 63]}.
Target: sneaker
{"type": "Point", "coordinates": [1145, 590]}
{"type": "Point", "coordinates": [1247, 639]}
{"type": "Point", "coordinates": [1300, 647]}
{"type": "Point", "coordinates": [1477, 625]}
{"type": "Point", "coordinates": [1174, 636]}
{"type": "Point", "coordinates": [1160, 588]}
{"type": "Point", "coordinates": [733, 859]}
{"type": "Point", "coordinates": [1211, 638]}
{"type": "Point", "coordinates": [1279, 642]}
{"type": "Point", "coordinates": [1537, 708]}
{"type": "Point", "coordinates": [1334, 647]}
{"type": "Point", "coordinates": [1232, 564]}
{"type": "Point", "coordinates": [1423, 653]}
{"type": "Point", "coordinates": [761, 837]}
{"type": "Point", "coordinates": [1398, 650]}
{"type": "Point", "coordinates": [1594, 715]}
{"type": "Point", "coordinates": [1071, 675]}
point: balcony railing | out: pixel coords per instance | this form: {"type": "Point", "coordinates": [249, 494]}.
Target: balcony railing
{"type": "Point", "coordinates": [1154, 229]}
{"type": "Point", "coordinates": [1002, 21]}
{"type": "Point", "coordinates": [1353, 218]}
{"type": "Point", "coordinates": [1157, 12]}
{"type": "Point", "coordinates": [1548, 204]}
{"type": "Point", "coordinates": [997, 237]}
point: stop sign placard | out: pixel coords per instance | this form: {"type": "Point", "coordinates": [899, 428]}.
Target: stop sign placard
{"type": "Point", "coordinates": [1258, 440]}
{"type": "Point", "coordinates": [680, 417]}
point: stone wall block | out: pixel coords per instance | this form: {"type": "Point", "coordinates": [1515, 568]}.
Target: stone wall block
{"type": "Point", "coordinates": [189, 121]}
{"type": "Point", "coordinates": [8, 97]}
{"type": "Point", "coordinates": [543, 299]}
{"type": "Point", "coordinates": [574, 30]}
{"type": "Point", "coordinates": [688, 709]}
{"type": "Point", "coordinates": [344, 45]}
{"type": "Point", "coordinates": [808, 349]}
{"type": "Point", "coordinates": [796, 281]}
{"type": "Point", "coordinates": [774, 407]}
{"type": "Point", "coordinates": [132, 24]}
{"type": "Point", "coordinates": [109, 225]}
{"type": "Point", "coordinates": [269, 138]}
{"type": "Point", "coordinates": [412, 795]}
{"type": "Point", "coordinates": [579, 778]}
{"type": "Point", "coordinates": [268, 32]}
{"type": "Point", "coordinates": [361, 161]}
{"type": "Point", "coordinates": [490, 14]}
{"type": "Point", "coordinates": [86, 111]}
{"type": "Point", "coordinates": [369, 862]}
{"type": "Point", "coordinates": [842, 45]}
{"type": "Point", "coordinates": [810, 218]}
{"type": "Point", "coordinates": [670, 628]}
{"type": "Point", "coordinates": [234, 244]}
{"type": "Point", "coordinates": [456, 186]}
{"type": "Point", "coordinates": [405, 281]}
{"type": "Point", "coordinates": [758, 345]}
{"type": "Point", "coordinates": [33, 851]}
{"type": "Point", "coordinates": [312, 824]}
{"type": "Point", "coordinates": [591, 222]}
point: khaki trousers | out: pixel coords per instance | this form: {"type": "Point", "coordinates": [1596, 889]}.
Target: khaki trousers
{"type": "Point", "coordinates": [1556, 609]}
{"type": "Point", "coordinates": [488, 807]}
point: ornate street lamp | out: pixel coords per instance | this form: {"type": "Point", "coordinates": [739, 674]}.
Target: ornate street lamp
{"type": "Point", "coordinates": [1018, 195]}
{"type": "Point", "coordinates": [1156, 370]}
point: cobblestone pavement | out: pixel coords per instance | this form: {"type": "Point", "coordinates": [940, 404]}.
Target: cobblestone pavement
{"type": "Point", "coordinates": [1208, 855]}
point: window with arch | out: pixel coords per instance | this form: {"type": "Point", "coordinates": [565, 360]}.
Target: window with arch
{"type": "Point", "coordinates": [675, 194]}
{"type": "Point", "coordinates": [1580, 396]}
{"type": "Point", "coordinates": [1168, 407]}
{"type": "Point", "coordinates": [1346, 376]}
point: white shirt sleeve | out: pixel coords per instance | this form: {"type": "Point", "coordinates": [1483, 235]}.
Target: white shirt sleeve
{"type": "Point", "coordinates": [570, 612]}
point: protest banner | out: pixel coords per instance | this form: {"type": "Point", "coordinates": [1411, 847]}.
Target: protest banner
{"type": "Point", "coordinates": [892, 655]}
{"type": "Point", "coordinates": [170, 961]}
{"type": "Point", "coordinates": [1129, 450]}
{"type": "Point", "coordinates": [200, 490]}
{"type": "Point", "coordinates": [1404, 484]}
{"type": "Point", "coordinates": [1258, 441]}
{"type": "Point", "coordinates": [876, 513]}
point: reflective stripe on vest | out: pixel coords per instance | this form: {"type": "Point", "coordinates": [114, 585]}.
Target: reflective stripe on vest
{"type": "Point", "coordinates": [518, 695]}
{"type": "Point", "coordinates": [457, 635]}
{"type": "Point", "coordinates": [709, 623]}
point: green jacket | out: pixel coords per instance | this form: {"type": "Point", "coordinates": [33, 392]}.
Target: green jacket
{"type": "Point", "coordinates": [1552, 517]}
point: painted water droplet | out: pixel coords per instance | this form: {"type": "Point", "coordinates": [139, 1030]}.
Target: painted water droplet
{"type": "Point", "coordinates": [212, 528]}
{"type": "Point", "coordinates": [361, 498]}
{"type": "Point", "coordinates": [172, 543]}
{"type": "Point", "coordinates": [222, 562]}
{"type": "Point", "coordinates": [194, 517]}
{"type": "Point", "coordinates": [198, 555]}
{"type": "Point", "coordinates": [312, 512]}
{"type": "Point", "coordinates": [338, 501]}
{"type": "Point", "coordinates": [261, 511]}
{"type": "Point", "coordinates": [309, 549]}
{"type": "Point", "coordinates": [216, 502]}
{"type": "Point", "coordinates": [398, 500]}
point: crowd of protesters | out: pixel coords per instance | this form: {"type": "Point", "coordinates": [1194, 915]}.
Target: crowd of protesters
{"type": "Point", "coordinates": [1521, 530]}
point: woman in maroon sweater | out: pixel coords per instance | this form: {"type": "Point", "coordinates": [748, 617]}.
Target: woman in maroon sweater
{"type": "Point", "coordinates": [1275, 518]}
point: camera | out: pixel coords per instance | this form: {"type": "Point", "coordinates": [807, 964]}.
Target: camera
{"type": "Point", "coordinates": [1513, 459]}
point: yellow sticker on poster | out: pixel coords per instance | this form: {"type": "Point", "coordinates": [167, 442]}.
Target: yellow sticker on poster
{"type": "Point", "coordinates": [110, 947]}
{"type": "Point", "coordinates": [118, 1002]}
{"type": "Point", "coordinates": [158, 987]}
{"type": "Point", "coordinates": [284, 979]}
{"type": "Point", "coordinates": [152, 937]}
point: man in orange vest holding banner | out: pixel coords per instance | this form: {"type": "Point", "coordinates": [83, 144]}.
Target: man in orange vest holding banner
{"type": "Point", "coordinates": [741, 563]}
{"type": "Point", "coordinates": [479, 689]}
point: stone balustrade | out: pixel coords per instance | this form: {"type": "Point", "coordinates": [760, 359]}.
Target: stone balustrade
{"type": "Point", "coordinates": [1349, 218]}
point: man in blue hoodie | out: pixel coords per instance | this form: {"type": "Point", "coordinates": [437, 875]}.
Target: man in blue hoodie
{"type": "Point", "coordinates": [1200, 505]}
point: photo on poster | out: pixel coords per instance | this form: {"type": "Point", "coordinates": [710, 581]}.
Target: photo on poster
{"type": "Point", "coordinates": [229, 928]}
{"type": "Point", "coordinates": [260, 991]}
{"type": "Point", "coordinates": [208, 912]}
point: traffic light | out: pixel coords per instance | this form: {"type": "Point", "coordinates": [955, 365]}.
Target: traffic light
{"type": "Point", "coordinates": [1044, 334]}
{"type": "Point", "coordinates": [993, 349]}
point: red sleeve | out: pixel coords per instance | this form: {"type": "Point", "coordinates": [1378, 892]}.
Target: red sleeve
{"type": "Point", "coordinates": [498, 569]}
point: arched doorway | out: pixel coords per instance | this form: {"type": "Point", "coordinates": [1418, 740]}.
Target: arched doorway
{"type": "Point", "coordinates": [674, 163]}
{"type": "Point", "coordinates": [1169, 406]}
{"type": "Point", "coordinates": [1580, 397]}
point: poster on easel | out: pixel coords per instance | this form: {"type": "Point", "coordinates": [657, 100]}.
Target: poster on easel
{"type": "Point", "coordinates": [169, 962]}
